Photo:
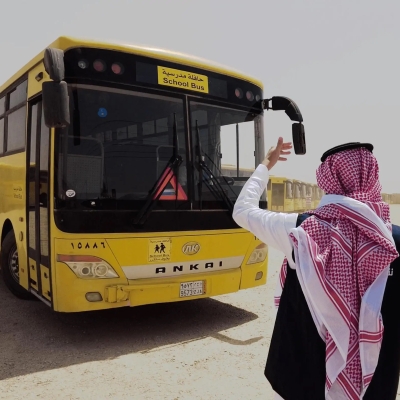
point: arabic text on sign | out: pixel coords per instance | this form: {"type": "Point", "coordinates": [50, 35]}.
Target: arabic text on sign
{"type": "Point", "coordinates": [182, 79]}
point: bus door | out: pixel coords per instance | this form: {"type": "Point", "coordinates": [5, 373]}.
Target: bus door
{"type": "Point", "coordinates": [38, 203]}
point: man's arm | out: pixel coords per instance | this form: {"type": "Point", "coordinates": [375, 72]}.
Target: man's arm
{"type": "Point", "coordinates": [270, 227]}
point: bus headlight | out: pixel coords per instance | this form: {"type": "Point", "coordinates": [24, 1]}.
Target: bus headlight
{"type": "Point", "coordinates": [259, 254]}
{"type": "Point", "coordinates": [88, 267]}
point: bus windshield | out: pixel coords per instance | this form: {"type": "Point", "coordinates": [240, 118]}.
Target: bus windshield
{"type": "Point", "coordinates": [227, 137]}
{"type": "Point", "coordinates": [118, 145]}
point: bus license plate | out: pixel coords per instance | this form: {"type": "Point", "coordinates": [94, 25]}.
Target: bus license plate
{"type": "Point", "coordinates": [188, 289]}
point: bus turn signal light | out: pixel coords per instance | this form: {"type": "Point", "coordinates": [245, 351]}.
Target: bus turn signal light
{"type": "Point", "coordinates": [259, 275]}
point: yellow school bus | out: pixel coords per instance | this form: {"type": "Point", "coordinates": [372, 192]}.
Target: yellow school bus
{"type": "Point", "coordinates": [111, 187]}
{"type": "Point", "coordinates": [315, 199]}
{"type": "Point", "coordinates": [320, 194]}
{"type": "Point", "coordinates": [303, 191]}
{"type": "Point", "coordinates": [385, 197]}
{"type": "Point", "coordinates": [309, 196]}
{"type": "Point", "coordinates": [231, 170]}
{"type": "Point", "coordinates": [297, 196]}
{"type": "Point", "coordinates": [280, 194]}
{"type": "Point", "coordinates": [289, 200]}
{"type": "Point", "coordinates": [232, 173]}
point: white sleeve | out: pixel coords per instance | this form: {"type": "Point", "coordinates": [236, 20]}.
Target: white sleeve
{"type": "Point", "coordinates": [270, 227]}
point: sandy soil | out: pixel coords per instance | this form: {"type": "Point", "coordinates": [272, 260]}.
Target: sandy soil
{"type": "Point", "coordinates": [206, 349]}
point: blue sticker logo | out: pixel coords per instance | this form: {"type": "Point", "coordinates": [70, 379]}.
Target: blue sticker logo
{"type": "Point", "coordinates": [102, 113]}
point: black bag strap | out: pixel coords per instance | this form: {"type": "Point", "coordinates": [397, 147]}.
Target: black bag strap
{"type": "Point", "coordinates": [300, 219]}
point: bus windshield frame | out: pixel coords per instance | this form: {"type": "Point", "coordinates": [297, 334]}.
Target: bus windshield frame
{"type": "Point", "coordinates": [106, 118]}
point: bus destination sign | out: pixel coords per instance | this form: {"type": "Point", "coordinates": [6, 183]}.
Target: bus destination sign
{"type": "Point", "coordinates": [182, 79]}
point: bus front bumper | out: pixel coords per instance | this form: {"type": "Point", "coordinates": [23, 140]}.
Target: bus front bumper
{"type": "Point", "coordinates": [76, 295]}
{"type": "Point", "coordinates": [140, 292]}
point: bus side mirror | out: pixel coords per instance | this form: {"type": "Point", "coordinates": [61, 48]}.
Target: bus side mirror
{"type": "Point", "coordinates": [55, 102]}
{"type": "Point", "coordinates": [55, 98]}
{"type": "Point", "coordinates": [299, 138]}
{"type": "Point", "coordinates": [293, 112]}
{"type": "Point", "coordinates": [54, 64]}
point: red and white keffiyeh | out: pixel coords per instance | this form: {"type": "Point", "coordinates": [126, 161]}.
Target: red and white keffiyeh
{"type": "Point", "coordinates": [342, 256]}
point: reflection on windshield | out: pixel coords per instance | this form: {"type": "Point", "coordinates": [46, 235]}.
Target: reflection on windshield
{"type": "Point", "coordinates": [119, 145]}
{"type": "Point", "coordinates": [227, 144]}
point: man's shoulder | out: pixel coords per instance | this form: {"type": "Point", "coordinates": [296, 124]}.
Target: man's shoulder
{"type": "Point", "coordinates": [395, 228]}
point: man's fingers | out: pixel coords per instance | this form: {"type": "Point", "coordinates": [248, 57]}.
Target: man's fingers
{"type": "Point", "coordinates": [280, 142]}
{"type": "Point", "coordinates": [282, 159]}
{"type": "Point", "coordinates": [286, 152]}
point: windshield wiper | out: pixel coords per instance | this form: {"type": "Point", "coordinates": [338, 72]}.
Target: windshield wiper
{"type": "Point", "coordinates": [170, 170]}
{"type": "Point", "coordinates": [215, 188]}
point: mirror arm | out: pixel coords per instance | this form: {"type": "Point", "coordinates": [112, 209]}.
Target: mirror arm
{"type": "Point", "coordinates": [285, 104]}
{"type": "Point", "coordinates": [293, 112]}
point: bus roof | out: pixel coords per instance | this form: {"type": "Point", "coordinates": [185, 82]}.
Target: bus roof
{"type": "Point", "coordinates": [66, 43]}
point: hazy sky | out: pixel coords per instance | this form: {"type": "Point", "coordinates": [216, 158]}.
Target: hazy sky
{"type": "Point", "coordinates": [338, 59]}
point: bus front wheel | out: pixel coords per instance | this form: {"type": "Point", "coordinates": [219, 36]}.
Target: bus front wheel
{"type": "Point", "coordinates": [10, 267]}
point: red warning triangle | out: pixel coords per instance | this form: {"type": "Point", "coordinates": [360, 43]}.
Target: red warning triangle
{"type": "Point", "coordinates": [170, 187]}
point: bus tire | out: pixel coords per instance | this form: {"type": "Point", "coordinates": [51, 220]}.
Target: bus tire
{"type": "Point", "coordinates": [10, 267]}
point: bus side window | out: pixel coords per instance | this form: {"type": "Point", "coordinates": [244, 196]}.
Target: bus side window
{"type": "Point", "coordinates": [44, 188]}
{"type": "Point", "coordinates": [18, 95]}
{"type": "Point", "coordinates": [1, 135]}
{"type": "Point", "coordinates": [16, 129]}
{"type": "Point", "coordinates": [2, 105]}
{"type": "Point", "coordinates": [2, 111]}
{"type": "Point", "coordinates": [31, 177]}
